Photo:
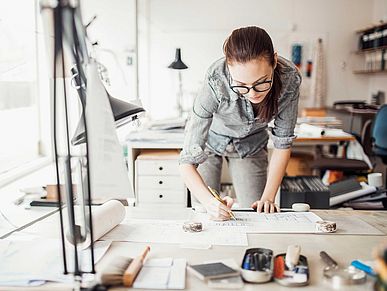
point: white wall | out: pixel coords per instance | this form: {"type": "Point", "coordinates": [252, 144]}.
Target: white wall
{"type": "Point", "coordinates": [199, 27]}
{"type": "Point", "coordinates": [114, 29]}
{"type": "Point", "coordinates": [378, 82]}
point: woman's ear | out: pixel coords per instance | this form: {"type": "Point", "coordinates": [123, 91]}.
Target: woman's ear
{"type": "Point", "coordinates": [275, 60]}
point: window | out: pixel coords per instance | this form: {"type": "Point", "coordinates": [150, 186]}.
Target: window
{"type": "Point", "coordinates": [20, 129]}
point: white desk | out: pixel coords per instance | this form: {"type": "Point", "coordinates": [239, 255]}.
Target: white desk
{"type": "Point", "coordinates": [344, 248]}
{"type": "Point", "coordinates": [18, 215]}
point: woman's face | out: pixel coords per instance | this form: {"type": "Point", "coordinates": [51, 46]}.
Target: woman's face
{"type": "Point", "coordinates": [252, 73]}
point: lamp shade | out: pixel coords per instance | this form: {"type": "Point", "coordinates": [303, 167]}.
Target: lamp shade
{"type": "Point", "coordinates": [178, 64]}
{"type": "Point", "coordinates": [123, 113]}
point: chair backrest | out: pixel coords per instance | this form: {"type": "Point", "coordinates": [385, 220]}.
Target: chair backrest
{"type": "Point", "coordinates": [366, 138]}
{"type": "Point", "coordinates": [379, 133]}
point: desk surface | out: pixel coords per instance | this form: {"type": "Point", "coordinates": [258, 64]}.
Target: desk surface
{"type": "Point", "coordinates": [344, 248]}
{"type": "Point", "coordinates": [17, 216]}
{"type": "Point", "coordinates": [166, 140]}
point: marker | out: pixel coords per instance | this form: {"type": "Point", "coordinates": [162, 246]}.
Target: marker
{"type": "Point", "coordinates": [361, 266]}
{"type": "Point", "coordinates": [246, 262]}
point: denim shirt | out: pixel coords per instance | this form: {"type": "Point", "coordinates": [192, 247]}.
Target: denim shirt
{"type": "Point", "coordinates": [219, 117]}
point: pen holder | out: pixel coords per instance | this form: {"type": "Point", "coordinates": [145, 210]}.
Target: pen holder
{"type": "Point", "coordinates": [297, 277]}
{"type": "Point", "coordinates": [257, 265]}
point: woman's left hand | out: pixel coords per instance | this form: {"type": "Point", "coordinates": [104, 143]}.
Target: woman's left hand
{"type": "Point", "coordinates": [266, 206]}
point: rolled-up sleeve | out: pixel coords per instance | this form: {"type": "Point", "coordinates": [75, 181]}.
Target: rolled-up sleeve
{"type": "Point", "coordinates": [282, 133]}
{"type": "Point", "coordinates": [198, 125]}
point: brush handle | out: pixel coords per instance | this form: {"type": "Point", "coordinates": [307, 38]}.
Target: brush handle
{"type": "Point", "coordinates": [132, 272]}
{"type": "Point", "coordinates": [134, 268]}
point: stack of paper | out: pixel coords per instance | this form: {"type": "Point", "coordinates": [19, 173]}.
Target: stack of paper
{"type": "Point", "coordinates": [165, 273]}
{"type": "Point", "coordinates": [23, 263]}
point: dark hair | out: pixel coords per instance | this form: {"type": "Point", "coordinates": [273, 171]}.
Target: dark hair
{"type": "Point", "coordinates": [250, 43]}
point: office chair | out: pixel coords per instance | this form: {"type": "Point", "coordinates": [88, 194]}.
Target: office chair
{"type": "Point", "coordinates": [348, 166]}
{"type": "Point", "coordinates": [379, 134]}
{"type": "Point", "coordinates": [379, 138]}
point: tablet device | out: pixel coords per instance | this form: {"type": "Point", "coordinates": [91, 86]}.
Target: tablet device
{"type": "Point", "coordinates": [212, 271]}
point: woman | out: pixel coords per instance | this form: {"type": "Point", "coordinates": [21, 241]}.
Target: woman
{"type": "Point", "coordinates": [241, 94]}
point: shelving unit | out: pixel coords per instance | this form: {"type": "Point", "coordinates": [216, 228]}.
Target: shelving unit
{"type": "Point", "coordinates": [365, 72]}
{"type": "Point", "coordinates": [370, 50]}
{"type": "Point", "coordinates": [374, 54]}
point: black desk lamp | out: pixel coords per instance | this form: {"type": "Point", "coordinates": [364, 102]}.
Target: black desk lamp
{"type": "Point", "coordinates": [63, 18]}
{"type": "Point", "coordinates": [179, 65]}
{"type": "Point", "coordinates": [123, 112]}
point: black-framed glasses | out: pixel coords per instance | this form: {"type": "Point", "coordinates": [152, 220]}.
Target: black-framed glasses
{"type": "Point", "coordinates": [258, 87]}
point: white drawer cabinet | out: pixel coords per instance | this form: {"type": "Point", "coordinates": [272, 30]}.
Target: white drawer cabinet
{"type": "Point", "coordinates": [157, 167]}
{"type": "Point", "coordinates": [158, 181]}
{"type": "Point", "coordinates": [161, 182]}
{"type": "Point", "coordinates": [162, 196]}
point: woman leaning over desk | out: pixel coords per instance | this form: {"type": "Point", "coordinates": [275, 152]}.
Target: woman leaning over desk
{"type": "Point", "coordinates": [242, 93]}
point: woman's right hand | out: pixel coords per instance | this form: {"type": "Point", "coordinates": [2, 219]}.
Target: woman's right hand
{"type": "Point", "coordinates": [217, 210]}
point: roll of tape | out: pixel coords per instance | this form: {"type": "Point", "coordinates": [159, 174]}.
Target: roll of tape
{"type": "Point", "coordinates": [326, 226]}
{"type": "Point", "coordinates": [375, 179]}
{"type": "Point", "coordinates": [300, 207]}
{"type": "Point", "coordinates": [192, 226]}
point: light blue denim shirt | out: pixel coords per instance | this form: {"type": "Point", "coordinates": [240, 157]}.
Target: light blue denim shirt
{"type": "Point", "coordinates": [219, 117]}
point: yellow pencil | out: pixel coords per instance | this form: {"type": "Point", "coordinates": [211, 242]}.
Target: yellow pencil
{"type": "Point", "coordinates": [217, 197]}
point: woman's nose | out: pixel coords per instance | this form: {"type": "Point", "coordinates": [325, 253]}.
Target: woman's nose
{"type": "Point", "coordinates": [252, 94]}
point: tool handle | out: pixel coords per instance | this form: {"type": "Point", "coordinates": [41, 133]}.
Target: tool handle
{"type": "Point", "coordinates": [292, 256]}
{"type": "Point", "coordinates": [134, 268]}
{"type": "Point", "coordinates": [328, 260]}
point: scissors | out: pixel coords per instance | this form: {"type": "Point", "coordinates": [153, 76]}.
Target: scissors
{"type": "Point", "coordinates": [341, 276]}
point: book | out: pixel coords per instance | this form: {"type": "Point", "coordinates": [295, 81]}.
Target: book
{"type": "Point", "coordinates": [212, 271]}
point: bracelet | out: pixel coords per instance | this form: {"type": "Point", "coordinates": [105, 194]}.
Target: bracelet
{"type": "Point", "coordinates": [192, 226]}
{"type": "Point", "coordinates": [326, 226]}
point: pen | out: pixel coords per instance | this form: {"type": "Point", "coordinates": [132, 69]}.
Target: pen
{"type": "Point", "coordinates": [246, 262]}
{"type": "Point", "coordinates": [361, 266]}
{"type": "Point", "coordinates": [217, 197]}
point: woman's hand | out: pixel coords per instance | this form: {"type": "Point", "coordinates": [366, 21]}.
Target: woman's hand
{"type": "Point", "coordinates": [217, 210]}
{"type": "Point", "coordinates": [266, 206]}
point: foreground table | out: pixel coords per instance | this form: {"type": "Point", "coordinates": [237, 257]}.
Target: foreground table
{"type": "Point", "coordinates": [343, 248]}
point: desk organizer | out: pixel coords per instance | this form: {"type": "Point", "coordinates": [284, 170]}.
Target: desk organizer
{"type": "Point", "coordinates": [297, 277]}
{"type": "Point", "coordinates": [304, 189]}
{"type": "Point", "coordinates": [257, 265]}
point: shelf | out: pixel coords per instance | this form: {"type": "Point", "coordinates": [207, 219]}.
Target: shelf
{"type": "Point", "coordinates": [370, 27]}
{"type": "Point", "coordinates": [365, 72]}
{"type": "Point", "coordinates": [370, 50]}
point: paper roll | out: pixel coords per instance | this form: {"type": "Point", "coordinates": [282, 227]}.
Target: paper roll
{"type": "Point", "coordinates": [105, 218]}
{"type": "Point", "coordinates": [311, 130]}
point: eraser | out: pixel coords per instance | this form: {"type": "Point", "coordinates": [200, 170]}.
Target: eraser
{"type": "Point", "coordinates": [300, 207]}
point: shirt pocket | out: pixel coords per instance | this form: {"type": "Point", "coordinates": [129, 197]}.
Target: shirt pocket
{"type": "Point", "coordinates": [232, 114]}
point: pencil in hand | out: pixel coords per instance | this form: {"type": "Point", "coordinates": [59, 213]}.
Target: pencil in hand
{"type": "Point", "coordinates": [217, 197]}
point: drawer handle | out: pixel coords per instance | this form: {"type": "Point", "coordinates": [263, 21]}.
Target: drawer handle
{"type": "Point", "coordinates": [160, 196]}
{"type": "Point", "coordinates": [160, 182]}
{"type": "Point", "coordinates": [160, 168]}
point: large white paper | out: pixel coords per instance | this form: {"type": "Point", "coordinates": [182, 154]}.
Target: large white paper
{"type": "Point", "coordinates": [109, 178]}
{"type": "Point", "coordinates": [23, 263]}
{"type": "Point", "coordinates": [166, 273]}
{"type": "Point", "coordinates": [171, 231]}
{"type": "Point", "coordinates": [283, 222]}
